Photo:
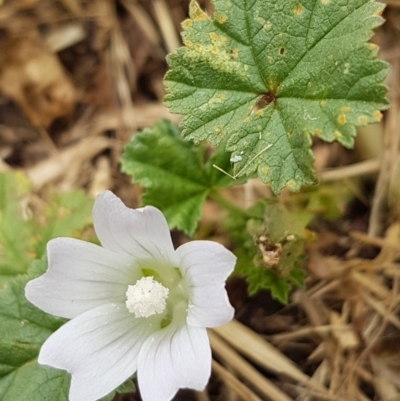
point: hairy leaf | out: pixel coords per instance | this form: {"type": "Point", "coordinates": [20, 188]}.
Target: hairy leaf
{"type": "Point", "coordinates": [270, 247]}
{"type": "Point", "coordinates": [23, 329]}
{"type": "Point", "coordinates": [267, 75]}
{"type": "Point", "coordinates": [173, 172]}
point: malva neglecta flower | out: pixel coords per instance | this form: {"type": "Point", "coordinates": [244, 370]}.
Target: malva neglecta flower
{"type": "Point", "coordinates": [136, 304]}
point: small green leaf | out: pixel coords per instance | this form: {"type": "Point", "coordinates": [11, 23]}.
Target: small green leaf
{"type": "Point", "coordinates": [270, 247]}
{"type": "Point", "coordinates": [24, 232]}
{"type": "Point", "coordinates": [265, 76]}
{"type": "Point", "coordinates": [23, 329]}
{"type": "Point", "coordinates": [174, 174]}
{"type": "Point", "coordinates": [66, 215]}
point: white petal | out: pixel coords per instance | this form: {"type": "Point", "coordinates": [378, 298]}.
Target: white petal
{"type": "Point", "coordinates": [171, 359]}
{"type": "Point", "coordinates": [206, 265]}
{"type": "Point", "coordinates": [99, 348]}
{"type": "Point", "coordinates": [142, 233]}
{"type": "Point", "coordinates": [80, 277]}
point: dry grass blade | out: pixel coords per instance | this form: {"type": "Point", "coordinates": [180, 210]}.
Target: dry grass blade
{"type": "Point", "coordinates": [166, 25]}
{"type": "Point", "coordinates": [245, 370]}
{"type": "Point", "coordinates": [66, 36]}
{"type": "Point", "coordinates": [354, 170]}
{"type": "Point", "coordinates": [231, 381]}
{"type": "Point", "coordinates": [262, 352]}
{"type": "Point", "coordinates": [55, 167]}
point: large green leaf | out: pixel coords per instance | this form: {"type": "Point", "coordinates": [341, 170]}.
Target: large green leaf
{"type": "Point", "coordinates": [268, 74]}
{"type": "Point", "coordinates": [23, 329]}
{"type": "Point", "coordinates": [174, 174]}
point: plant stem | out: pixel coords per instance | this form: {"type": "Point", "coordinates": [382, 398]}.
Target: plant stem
{"type": "Point", "coordinates": [225, 203]}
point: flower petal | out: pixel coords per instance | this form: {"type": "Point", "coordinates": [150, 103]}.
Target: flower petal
{"type": "Point", "coordinates": [206, 265]}
{"type": "Point", "coordinates": [174, 358]}
{"type": "Point", "coordinates": [99, 348]}
{"type": "Point", "coordinates": [80, 277]}
{"type": "Point", "coordinates": [142, 233]}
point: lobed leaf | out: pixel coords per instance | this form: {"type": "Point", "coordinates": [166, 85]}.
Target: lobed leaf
{"type": "Point", "coordinates": [267, 75]}
{"type": "Point", "coordinates": [174, 174]}
{"type": "Point", "coordinates": [23, 329]}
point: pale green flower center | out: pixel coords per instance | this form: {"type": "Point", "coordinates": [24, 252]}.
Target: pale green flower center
{"type": "Point", "coordinates": [147, 297]}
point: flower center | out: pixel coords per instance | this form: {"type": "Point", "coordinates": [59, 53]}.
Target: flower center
{"type": "Point", "coordinates": [146, 298]}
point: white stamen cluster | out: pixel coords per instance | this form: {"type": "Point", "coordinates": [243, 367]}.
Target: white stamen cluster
{"type": "Point", "coordinates": [146, 298]}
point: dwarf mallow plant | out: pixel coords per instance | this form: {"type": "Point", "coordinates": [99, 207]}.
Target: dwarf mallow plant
{"type": "Point", "coordinates": [136, 304]}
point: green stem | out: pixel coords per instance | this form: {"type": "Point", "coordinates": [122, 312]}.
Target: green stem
{"type": "Point", "coordinates": [223, 202]}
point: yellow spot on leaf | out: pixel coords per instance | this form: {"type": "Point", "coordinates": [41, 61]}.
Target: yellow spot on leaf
{"type": "Point", "coordinates": [222, 19]}
{"type": "Point", "coordinates": [187, 43]}
{"type": "Point", "coordinates": [377, 115]}
{"type": "Point", "coordinates": [345, 109]}
{"type": "Point", "coordinates": [217, 128]}
{"type": "Point", "coordinates": [268, 26]}
{"type": "Point", "coordinates": [198, 47]}
{"type": "Point", "coordinates": [362, 120]}
{"type": "Point", "coordinates": [379, 11]}
{"type": "Point", "coordinates": [341, 119]}
{"type": "Point", "coordinates": [259, 112]}
{"type": "Point", "coordinates": [270, 59]}
{"type": "Point", "coordinates": [317, 131]}
{"type": "Point", "coordinates": [246, 120]}
{"type": "Point", "coordinates": [264, 170]}
{"type": "Point", "coordinates": [338, 134]}
{"type": "Point", "coordinates": [221, 96]}
{"type": "Point", "coordinates": [324, 2]}
{"type": "Point", "coordinates": [291, 184]}
{"type": "Point", "coordinates": [196, 13]}
{"type": "Point", "coordinates": [187, 24]}
{"type": "Point", "coordinates": [214, 50]}
{"type": "Point", "coordinates": [373, 47]}
{"type": "Point", "coordinates": [298, 10]}
{"type": "Point", "coordinates": [213, 36]}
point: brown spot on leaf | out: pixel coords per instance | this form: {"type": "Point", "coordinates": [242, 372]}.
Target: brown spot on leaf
{"type": "Point", "coordinates": [234, 53]}
{"type": "Point", "coordinates": [270, 252]}
{"type": "Point", "coordinates": [265, 100]}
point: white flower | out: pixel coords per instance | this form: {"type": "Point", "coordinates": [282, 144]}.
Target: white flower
{"type": "Point", "coordinates": [136, 304]}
